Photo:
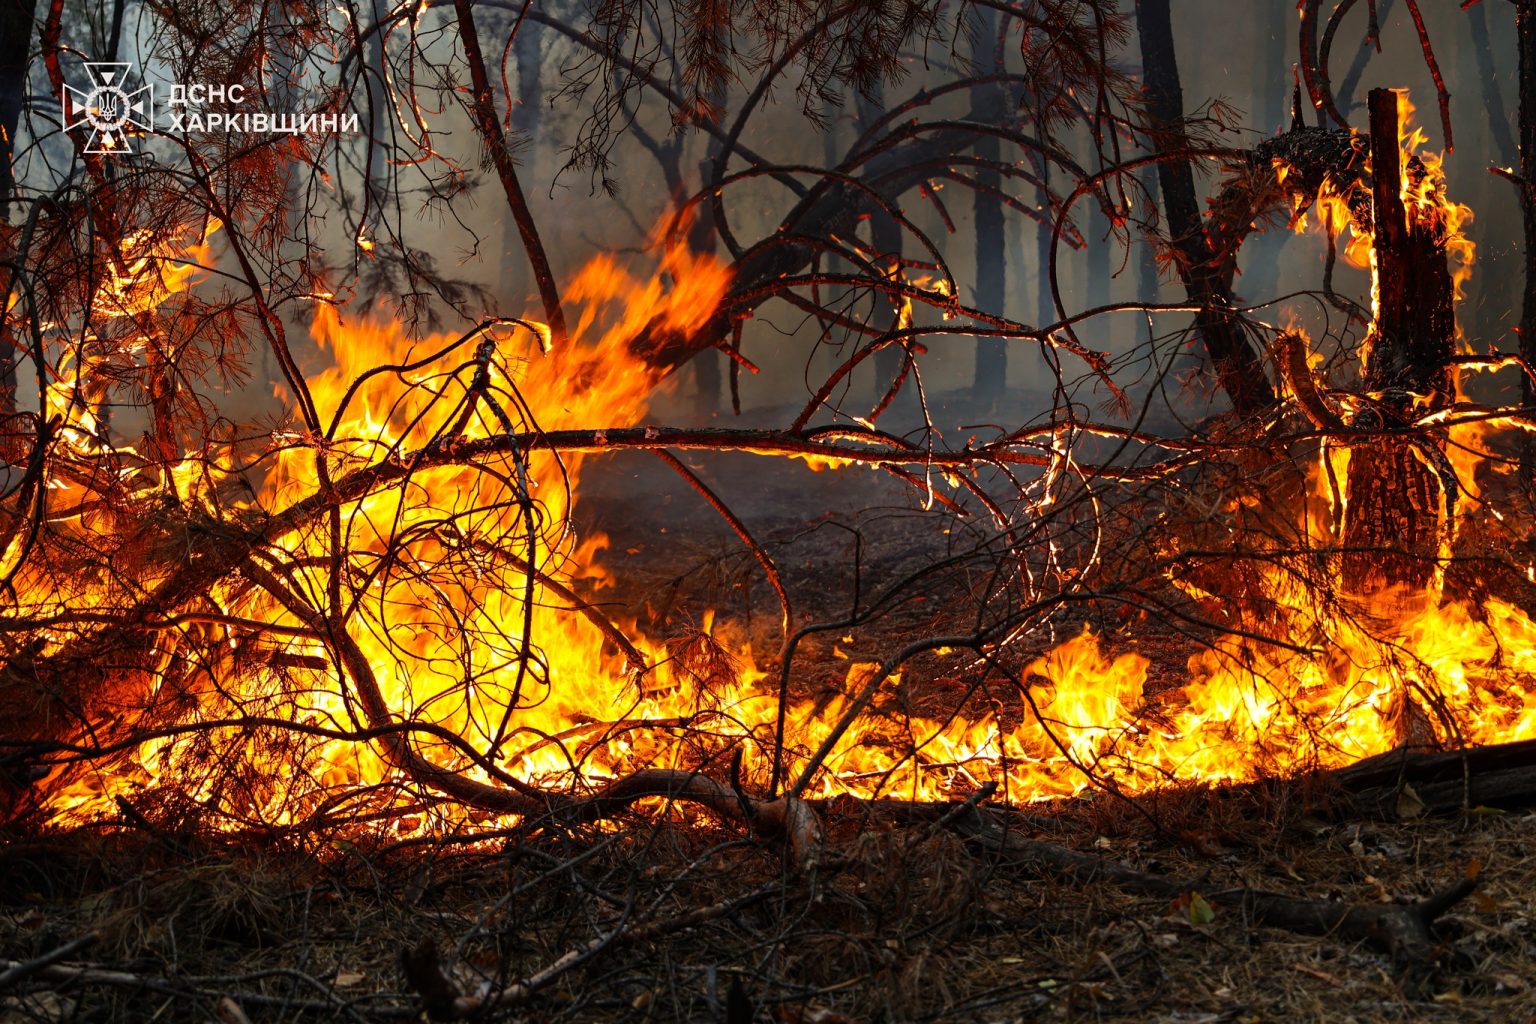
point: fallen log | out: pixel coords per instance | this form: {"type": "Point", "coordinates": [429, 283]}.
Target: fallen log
{"type": "Point", "coordinates": [1403, 931]}
{"type": "Point", "coordinates": [1410, 783]}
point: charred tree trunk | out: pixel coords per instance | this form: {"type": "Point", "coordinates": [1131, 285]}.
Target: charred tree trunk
{"type": "Point", "coordinates": [1237, 362]}
{"type": "Point", "coordinates": [1525, 21]}
{"type": "Point", "coordinates": [1393, 525]}
{"type": "Point", "coordinates": [17, 22]}
{"type": "Point", "coordinates": [525, 114]}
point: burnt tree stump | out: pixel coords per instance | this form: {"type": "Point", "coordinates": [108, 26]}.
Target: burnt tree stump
{"type": "Point", "coordinates": [1393, 526]}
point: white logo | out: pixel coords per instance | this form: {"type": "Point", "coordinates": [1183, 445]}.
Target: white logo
{"type": "Point", "coordinates": [108, 108]}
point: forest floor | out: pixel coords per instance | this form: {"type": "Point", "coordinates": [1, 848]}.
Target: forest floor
{"type": "Point", "coordinates": [668, 914]}
{"type": "Point", "coordinates": [907, 924]}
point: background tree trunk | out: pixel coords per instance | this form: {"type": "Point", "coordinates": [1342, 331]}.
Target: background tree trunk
{"type": "Point", "coordinates": [1237, 363]}
{"type": "Point", "coordinates": [885, 238]}
{"type": "Point", "coordinates": [17, 22]}
{"type": "Point", "coordinates": [1525, 22]}
{"type": "Point", "coordinates": [990, 379]}
{"type": "Point", "coordinates": [526, 111]}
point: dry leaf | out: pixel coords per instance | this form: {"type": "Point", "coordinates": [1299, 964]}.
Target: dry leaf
{"type": "Point", "coordinates": [1408, 803]}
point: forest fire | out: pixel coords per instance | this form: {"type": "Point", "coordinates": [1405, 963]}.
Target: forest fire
{"type": "Point", "coordinates": [1001, 526]}
{"type": "Point", "coordinates": [444, 605]}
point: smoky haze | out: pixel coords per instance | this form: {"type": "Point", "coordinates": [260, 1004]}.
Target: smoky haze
{"type": "Point", "coordinates": [1236, 62]}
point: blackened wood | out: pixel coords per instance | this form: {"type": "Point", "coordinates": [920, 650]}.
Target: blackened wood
{"type": "Point", "coordinates": [1525, 21]}
{"type": "Point", "coordinates": [1415, 328]}
{"type": "Point", "coordinates": [17, 22]}
{"type": "Point", "coordinates": [1501, 776]}
{"type": "Point", "coordinates": [1393, 525]}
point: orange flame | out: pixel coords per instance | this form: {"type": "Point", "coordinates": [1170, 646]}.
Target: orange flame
{"type": "Point", "coordinates": [462, 634]}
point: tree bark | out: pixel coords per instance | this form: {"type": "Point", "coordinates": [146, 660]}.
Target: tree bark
{"type": "Point", "coordinates": [1393, 525]}
{"type": "Point", "coordinates": [1237, 362]}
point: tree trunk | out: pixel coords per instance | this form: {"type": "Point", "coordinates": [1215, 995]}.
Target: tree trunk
{"type": "Point", "coordinates": [1525, 21]}
{"type": "Point", "coordinates": [991, 374]}
{"type": "Point", "coordinates": [1261, 274]}
{"type": "Point", "coordinates": [17, 18]}
{"type": "Point", "coordinates": [1393, 526]}
{"type": "Point", "coordinates": [885, 237]}
{"type": "Point", "coordinates": [706, 365]}
{"type": "Point", "coordinates": [525, 112]}
{"type": "Point", "coordinates": [1237, 362]}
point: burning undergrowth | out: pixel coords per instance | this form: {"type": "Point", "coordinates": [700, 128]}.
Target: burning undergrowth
{"type": "Point", "coordinates": [894, 696]}
{"type": "Point", "coordinates": [384, 613]}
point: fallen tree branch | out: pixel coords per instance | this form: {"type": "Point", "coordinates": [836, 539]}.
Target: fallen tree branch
{"type": "Point", "coordinates": [787, 816]}
{"type": "Point", "coordinates": [1411, 783]}
{"type": "Point", "coordinates": [1402, 931]}
{"type": "Point", "coordinates": [18, 972]}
